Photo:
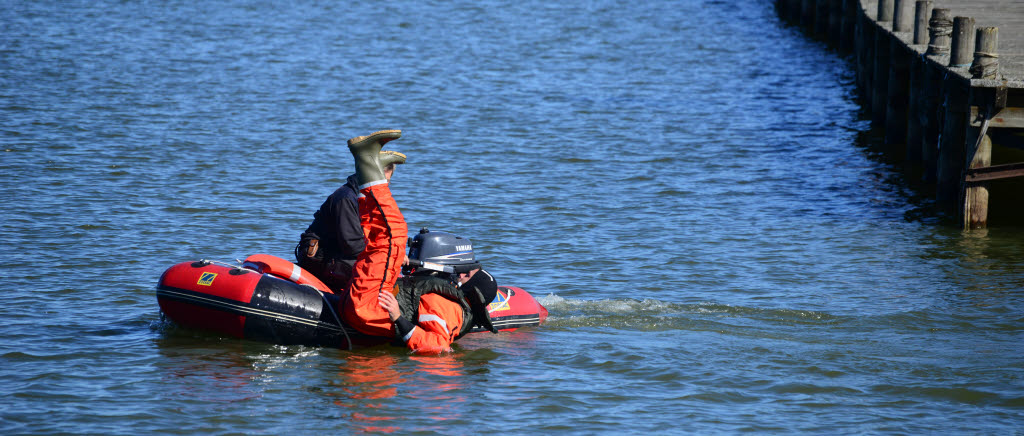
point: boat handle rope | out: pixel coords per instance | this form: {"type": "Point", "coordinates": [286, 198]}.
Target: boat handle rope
{"type": "Point", "coordinates": [224, 264]}
{"type": "Point", "coordinates": [327, 305]}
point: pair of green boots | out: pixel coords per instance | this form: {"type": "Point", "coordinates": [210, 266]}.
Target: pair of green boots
{"type": "Point", "coordinates": [370, 160]}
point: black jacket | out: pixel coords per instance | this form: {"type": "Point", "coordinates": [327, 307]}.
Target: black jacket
{"type": "Point", "coordinates": [337, 227]}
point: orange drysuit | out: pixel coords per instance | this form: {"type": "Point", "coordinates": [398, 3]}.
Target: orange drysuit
{"type": "Point", "coordinates": [376, 270]}
{"type": "Point", "coordinates": [437, 325]}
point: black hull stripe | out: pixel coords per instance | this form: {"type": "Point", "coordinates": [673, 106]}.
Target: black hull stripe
{"type": "Point", "coordinates": [517, 320]}
{"type": "Point", "coordinates": [230, 306]}
{"type": "Point", "coordinates": [509, 322]}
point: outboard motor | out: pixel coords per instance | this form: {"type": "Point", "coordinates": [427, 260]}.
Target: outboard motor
{"type": "Point", "coordinates": [441, 251]}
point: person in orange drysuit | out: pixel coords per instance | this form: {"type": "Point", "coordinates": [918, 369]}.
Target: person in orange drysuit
{"type": "Point", "coordinates": [370, 306]}
{"type": "Point", "coordinates": [439, 320]}
{"type": "Point", "coordinates": [330, 245]}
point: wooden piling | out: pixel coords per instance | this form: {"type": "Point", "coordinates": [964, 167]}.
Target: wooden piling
{"type": "Point", "coordinates": [916, 85]}
{"type": "Point", "coordinates": [986, 64]}
{"type": "Point", "coordinates": [960, 53]}
{"type": "Point", "coordinates": [933, 115]}
{"type": "Point", "coordinates": [885, 10]}
{"type": "Point", "coordinates": [807, 14]}
{"type": "Point", "coordinates": [921, 10]}
{"type": "Point", "coordinates": [954, 129]}
{"type": "Point", "coordinates": [782, 7]}
{"type": "Point", "coordinates": [903, 16]}
{"type": "Point", "coordinates": [848, 26]}
{"type": "Point", "coordinates": [974, 212]}
{"type": "Point", "coordinates": [798, 11]}
{"type": "Point", "coordinates": [915, 120]}
{"type": "Point", "coordinates": [940, 27]}
{"type": "Point", "coordinates": [951, 141]}
{"type": "Point", "coordinates": [835, 20]}
{"type": "Point", "coordinates": [880, 77]}
{"type": "Point", "coordinates": [795, 10]}
{"type": "Point", "coordinates": [864, 48]}
{"type": "Point", "coordinates": [821, 18]}
{"type": "Point", "coordinates": [897, 96]}
{"type": "Point", "coordinates": [911, 62]}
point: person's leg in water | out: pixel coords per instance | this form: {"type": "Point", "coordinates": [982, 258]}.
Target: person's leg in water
{"type": "Point", "coordinates": [377, 267]}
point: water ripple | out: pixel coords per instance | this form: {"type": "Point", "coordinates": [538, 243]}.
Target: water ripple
{"type": "Point", "coordinates": [721, 241]}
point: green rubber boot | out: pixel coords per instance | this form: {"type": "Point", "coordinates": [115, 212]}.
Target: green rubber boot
{"type": "Point", "coordinates": [366, 151]}
{"type": "Point", "coordinates": [389, 157]}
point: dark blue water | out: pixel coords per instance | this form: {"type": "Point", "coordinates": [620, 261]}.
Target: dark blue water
{"type": "Point", "coordinates": [690, 188]}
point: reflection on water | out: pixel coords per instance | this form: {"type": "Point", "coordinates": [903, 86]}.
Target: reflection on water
{"type": "Point", "coordinates": [220, 374]}
{"type": "Point", "coordinates": [439, 385]}
{"type": "Point", "coordinates": [367, 380]}
{"type": "Point", "coordinates": [381, 389]}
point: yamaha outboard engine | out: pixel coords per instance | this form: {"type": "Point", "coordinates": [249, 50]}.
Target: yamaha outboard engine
{"type": "Point", "coordinates": [441, 251]}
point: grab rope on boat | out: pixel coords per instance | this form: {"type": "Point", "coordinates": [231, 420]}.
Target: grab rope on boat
{"type": "Point", "coordinates": [327, 306]}
{"type": "Point", "coordinates": [224, 264]}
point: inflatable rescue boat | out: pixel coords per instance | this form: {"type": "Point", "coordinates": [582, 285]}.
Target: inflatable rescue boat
{"type": "Point", "coordinates": [270, 299]}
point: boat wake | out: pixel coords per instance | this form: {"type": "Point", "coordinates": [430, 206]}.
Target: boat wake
{"type": "Point", "coordinates": [657, 315]}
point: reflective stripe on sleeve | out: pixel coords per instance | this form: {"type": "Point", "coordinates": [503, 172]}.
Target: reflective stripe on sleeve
{"type": "Point", "coordinates": [428, 318]}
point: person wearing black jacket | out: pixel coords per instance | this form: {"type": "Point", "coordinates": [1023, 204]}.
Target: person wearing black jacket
{"type": "Point", "coordinates": [329, 246]}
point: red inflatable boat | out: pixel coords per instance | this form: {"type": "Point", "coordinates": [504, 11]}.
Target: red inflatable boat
{"type": "Point", "coordinates": [269, 299]}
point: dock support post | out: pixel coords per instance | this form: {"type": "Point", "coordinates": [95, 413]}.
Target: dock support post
{"type": "Point", "coordinates": [848, 26]}
{"type": "Point", "coordinates": [835, 21]}
{"type": "Point", "coordinates": [897, 96]}
{"type": "Point", "coordinates": [932, 124]}
{"type": "Point", "coordinates": [807, 14]}
{"type": "Point", "coordinates": [783, 7]}
{"type": "Point", "coordinates": [880, 79]}
{"type": "Point", "coordinates": [951, 143]}
{"type": "Point", "coordinates": [960, 54]}
{"type": "Point", "coordinates": [921, 10]}
{"type": "Point", "coordinates": [881, 70]}
{"type": "Point", "coordinates": [986, 59]}
{"type": "Point", "coordinates": [975, 202]}
{"type": "Point", "coordinates": [790, 10]}
{"type": "Point", "coordinates": [821, 18]}
{"type": "Point", "coordinates": [916, 116]}
{"type": "Point", "coordinates": [864, 45]}
{"type": "Point", "coordinates": [954, 130]}
{"type": "Point", "coordinates": [915, 111]}
{"type": "Point", "coordinates": [903, 16]}
{"type": "Point", "coordinates": [885, 10]}
{"type": "Point", "coordinates": [974, 211]}
{"type": "Point", "coordinates": [940, 27]}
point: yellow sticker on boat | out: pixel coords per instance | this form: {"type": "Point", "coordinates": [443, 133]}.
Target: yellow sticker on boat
{"type": "Point", "coordinates": [500, 302]}
{"type": "Point", "coordinates": [206, 279]}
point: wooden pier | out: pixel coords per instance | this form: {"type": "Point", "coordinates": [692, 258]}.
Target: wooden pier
{"type": "Point", "coordinates": [941, 78]}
